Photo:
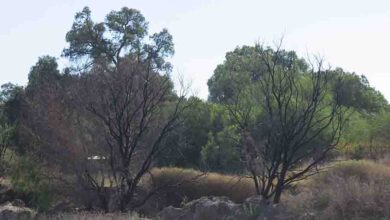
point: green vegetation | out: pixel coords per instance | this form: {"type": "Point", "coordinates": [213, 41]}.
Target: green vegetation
{"type": "Point", "coordinates": [27, 179]}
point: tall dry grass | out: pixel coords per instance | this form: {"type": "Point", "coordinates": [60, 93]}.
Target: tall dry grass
{"type": "Point", "coordinates": [348, 190]}
{"type": "Point", "coordinates": [191, 184]}
{"type": "Point", "coordinates": [90, 216]}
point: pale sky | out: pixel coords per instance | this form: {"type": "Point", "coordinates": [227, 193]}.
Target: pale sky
{"type": "Point", "coordinates": [352, 34]}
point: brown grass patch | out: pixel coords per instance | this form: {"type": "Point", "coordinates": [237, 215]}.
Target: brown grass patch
{"type": "Point", "coordinates": [191, 184]}
{"type": "Point", "coordinates": [90, 216]}
{"type": "Point", "coordinates": [348, 190]}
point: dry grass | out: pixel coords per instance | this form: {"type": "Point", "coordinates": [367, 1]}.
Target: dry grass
{"type": "Point", "coordinates": [349, 190]}
{"type": "Point", "coordinates": [385, 160]}
{"type": "Point", "coordinates": [90, 216]}
{"type": "Point", "coordinates": [193, 184]}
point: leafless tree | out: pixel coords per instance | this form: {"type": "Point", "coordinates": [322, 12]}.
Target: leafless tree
{"type": "Point", "coordinates": [136, 108]}
{"type": "Point", "coordinates": [300, 121]}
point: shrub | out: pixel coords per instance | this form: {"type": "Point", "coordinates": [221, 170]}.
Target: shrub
{"type": "Point", "coordinates": [28, 182]}
{"type": "Point", "coordinates": [220, 154]}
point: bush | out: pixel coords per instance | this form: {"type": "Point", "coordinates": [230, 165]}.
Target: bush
{"type": "Point", "coordinates": [28, 182]}
{"type": "Point", "coordinates": [220, 154]}
{"type": "Point", "coordinates": [349, 190]}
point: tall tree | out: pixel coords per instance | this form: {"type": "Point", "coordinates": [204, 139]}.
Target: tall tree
{"type": "Point", "coordinates": [126, 92]}
{"type": "Point", "coordinates": [133, 105]}
{"type": "Point", "coordinates": [298, 120]}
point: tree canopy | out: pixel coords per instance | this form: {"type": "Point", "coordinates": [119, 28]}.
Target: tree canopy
{"type": "Point", "coordinates": [123, 33]}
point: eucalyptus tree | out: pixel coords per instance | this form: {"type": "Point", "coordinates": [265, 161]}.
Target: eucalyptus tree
{"type": "Point", "coordinates": [122, 34]}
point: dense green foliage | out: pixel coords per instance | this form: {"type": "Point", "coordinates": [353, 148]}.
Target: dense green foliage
{"type": "Point", "coordinates": [123, 33]}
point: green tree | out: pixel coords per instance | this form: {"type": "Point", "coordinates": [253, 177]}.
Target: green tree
{"type": "Point", "coordinates": [45, 71]}
{"type": "Point", "coordinates": [242, 67]}
{"type": "Point", "coordinates": [123, 33]}
{"type": "Point", "coordinates": [11, 99]}
{"type": "Point", "coordinates": [189, 138]}
{"type": "Point", "coordinates": [367, 135]}
{"type": "Point", "coordinates": [355, 91]}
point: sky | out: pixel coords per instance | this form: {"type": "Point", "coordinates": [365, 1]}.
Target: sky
{"type": "Point", "coordinates": [352, 34]}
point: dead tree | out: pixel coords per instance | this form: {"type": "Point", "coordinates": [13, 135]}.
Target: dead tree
{"type": "Point", "coordinates": [300, 121]}
{"type": "Point", "coordinates": [137, 109]}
